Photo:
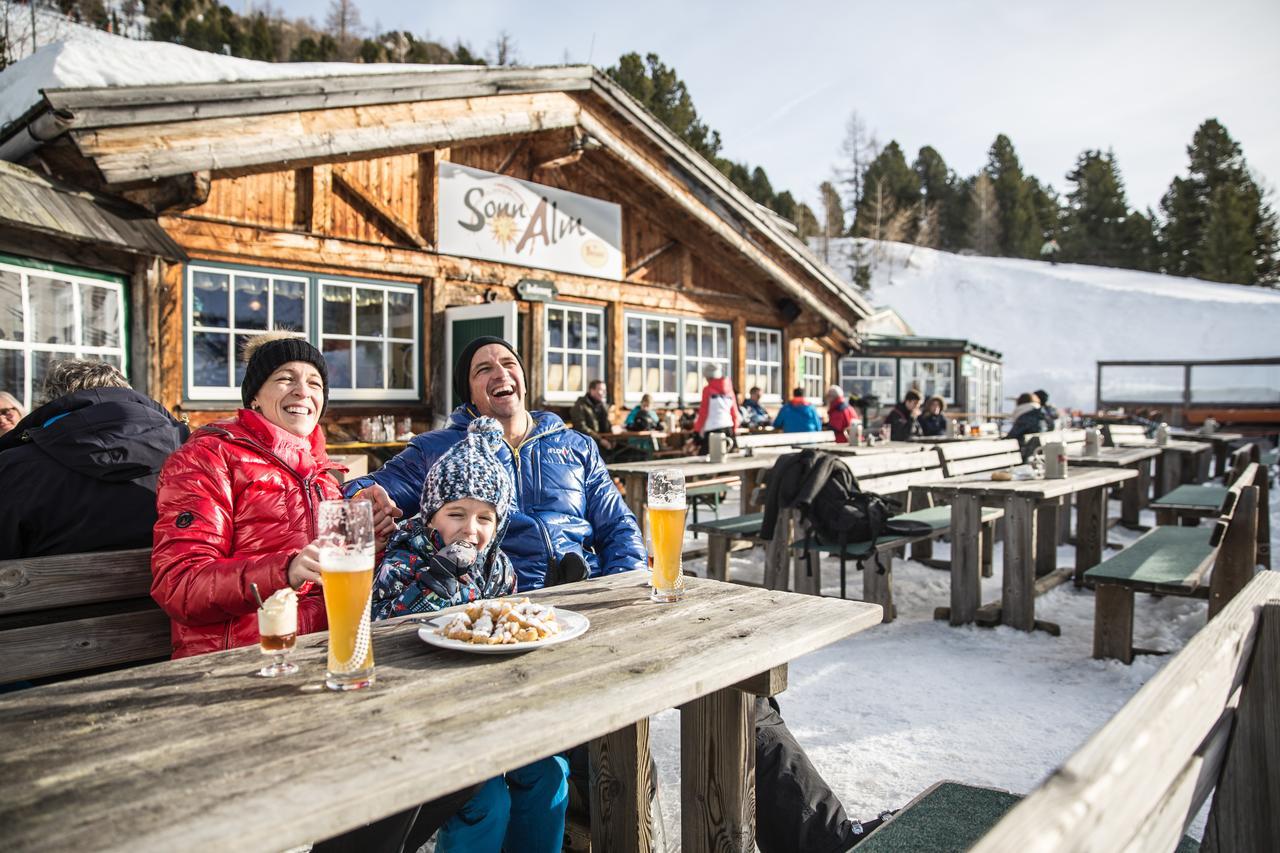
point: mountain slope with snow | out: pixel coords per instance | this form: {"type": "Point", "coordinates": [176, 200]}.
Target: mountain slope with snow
{"type": "Point", "coordinates": [1053, 323]}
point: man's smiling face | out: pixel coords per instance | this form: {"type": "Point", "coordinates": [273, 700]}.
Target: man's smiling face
{"type": "Point", "coordinates": [497, 382]}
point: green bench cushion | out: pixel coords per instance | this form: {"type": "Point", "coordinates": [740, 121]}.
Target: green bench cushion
{"type": "Point", "coordinates": [937, 517]}
{"type": "Point", "coordinates": [1270, 457]}
{"type": "Point", "coordinates": [1192, 497]}
{"type": "Point", "coordinates": [1169, 559]}
{"type": "Point", "coordinates": [740, 525]}
{"type": "Point", "coordinates": [950, 818]}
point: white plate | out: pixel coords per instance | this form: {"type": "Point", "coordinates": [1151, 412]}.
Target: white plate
{"type": "Point", "coordinates": [571, 625]}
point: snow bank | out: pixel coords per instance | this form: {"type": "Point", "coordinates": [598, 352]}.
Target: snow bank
{"type": "Point", "coordinates": [83, 57]}
{"type": "Point", "coordinates": [1053, 323]}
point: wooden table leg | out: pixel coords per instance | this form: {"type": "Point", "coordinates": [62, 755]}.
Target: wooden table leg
{"type": "Point", "coordinates": [923, 549]}
{"type": "Point", "coordinates": [748, 486]}
{"type": "Point", "coordinates": [637, 497]}
{"type": "Point", "coordinates": [717, 774]}
{"type": "Point", "coordinates": [1047, 520]}
{"type": "Point", "coordinates": [966, 591]}
{"type": "Point", "coordinates": [1019, 583]}
{"type": "Point", "coordinates": [1144, 484]}
{"type": "Point", "coordinates": [1129, 498]}
{"type": "Point", "coordinates": [807, 571]}
{"type": "Point", "coordinates": [620, 817]}
{"type": "Point", "coordinates": [1158, 487]}
{"type": "Point", "coordinates": [1064, 521]}
{"type": "Point", "coordinates": [777, 552]}
{"type": "Point", "coordinates": [1220, 451]}
{"type": "Point", "coordinates": [1092, 537]}
{"type": "Point", "coordinates": [1203, 458]}
{"type": "Point", "coordinates": [717, 557]}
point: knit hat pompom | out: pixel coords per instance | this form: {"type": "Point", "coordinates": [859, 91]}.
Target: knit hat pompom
{"type": "Point", "coordinates": [471, 469]}
{"type": "Point", "coordinates": [264, 354]}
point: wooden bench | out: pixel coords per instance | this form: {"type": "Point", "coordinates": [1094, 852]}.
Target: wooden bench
{"type": "Point", "coordinates": [1116, 435]}
{"type": "Point", "coordinates": [710, 493]}
{"type": "Point", "coordinates": [74, 613]}
{"type": "Point", "coordinates": [1173, 561]}
{"type": "Point", "coordinates": [1189, 503]}
{"type": "Point", "coordinates": [781, 439]}
{"type": "Point", "coordinates": [961, 458]}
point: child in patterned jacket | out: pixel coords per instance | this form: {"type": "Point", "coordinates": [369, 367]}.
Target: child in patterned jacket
{"type": "Point", "coordinates": [449, 554]}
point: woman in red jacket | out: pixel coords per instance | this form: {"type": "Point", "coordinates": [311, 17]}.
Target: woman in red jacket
{"type": "Point", "coordinates": [237, 505]}
{"type": "Point", "coordinates": [718, 411]}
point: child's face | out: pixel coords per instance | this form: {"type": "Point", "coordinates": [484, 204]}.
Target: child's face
{"type": "Point", "coordinates": [466, 520]}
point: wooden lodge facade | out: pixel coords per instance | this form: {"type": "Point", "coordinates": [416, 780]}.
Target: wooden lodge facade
{"type": "Point", "coordinates": [332, 207]}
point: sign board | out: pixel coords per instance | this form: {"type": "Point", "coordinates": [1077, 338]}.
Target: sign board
{"type": "Point", "coordinates": [537, 290]}
{"type": "Point", "coordinates": [497, 218]}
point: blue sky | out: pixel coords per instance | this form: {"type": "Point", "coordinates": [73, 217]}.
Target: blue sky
{"type": "Point", "coordinates": [1137, 77]}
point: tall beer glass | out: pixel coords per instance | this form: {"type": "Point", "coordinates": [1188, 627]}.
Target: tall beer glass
{"type": "Point", "coordinates": [346, 568]}
{"type": "Point", "coordinates": [666, 509]}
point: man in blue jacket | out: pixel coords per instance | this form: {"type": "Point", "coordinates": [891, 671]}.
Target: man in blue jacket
{"type": "Point", "coordinates": [566, 501]}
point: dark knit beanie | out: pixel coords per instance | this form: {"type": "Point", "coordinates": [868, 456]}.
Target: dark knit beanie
{"type": "Point", "coordinates": [265, 353]}
{"type": "Point", "coordinates": [462, 368]}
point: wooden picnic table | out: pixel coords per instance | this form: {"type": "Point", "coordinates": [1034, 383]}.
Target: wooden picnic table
{"type": "Point", "coordinates": [1178, 461]}
{"type": "Point", "coordinates": [1031, 540]}
{"type": "Point", "coordinates": [200, 754]}
{"type": "Point", "coordinates": [635, 475]}
{"type": "Point", "coordinates": [1221, 441]}
{"type": "Point", "coordinates": [873, 449]}
{"type": "Point", "coordinates": [1135, 493]}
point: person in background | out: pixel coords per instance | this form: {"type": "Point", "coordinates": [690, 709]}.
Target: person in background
{"type": "Point", "coordinates": [840, 415]}
{"type": "Point", "coordinates": [933, 421]}
{"type": "Point", "coordinates": [236, 505]}
{"type": "Point", "coordinates": [1049, 251]}
{"type": "Point", "coordinates": [753, 411]}
{"type": "Point", "coordinates": [11, 411]}
{"type": "Point", "coordinates": [1028, 418]}
{"type": "Point", "coordinates": [80, 471]}
{"type": "Point", "coordinates": [718, 411]}
{"type": "Point", "coordinates": [589, 413]}
{"type": "Point", "coordinates": [901, 421]}
{"type": "Point", "coordinates": [1050, 412]}
{"type": "Point", "coordinates": [643, 418]}
{"type": "Point", "coordinates": [796, 415]}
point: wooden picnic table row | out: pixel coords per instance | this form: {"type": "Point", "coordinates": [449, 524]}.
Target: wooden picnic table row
{"type": "Point", "coordinates": [199, 754]}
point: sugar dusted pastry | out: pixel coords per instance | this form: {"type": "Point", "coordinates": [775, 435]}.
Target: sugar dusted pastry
{"type": "Point", "coordinates": [503, 622]}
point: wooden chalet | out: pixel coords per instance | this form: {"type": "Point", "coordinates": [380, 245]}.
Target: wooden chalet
{"type": "Point", "coordinates": [964, 374]}
{"type": "Point", "coordinates": [390, 218]}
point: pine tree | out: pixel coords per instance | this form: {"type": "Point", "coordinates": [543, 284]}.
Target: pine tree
{"type": "Point", "coordinates": [806, 222]}
{"type": "Point", "coordinates": [1096, 226]}
{"type": "Point", "coordinates": [945, 193]}
{"type": "Point", "coordinates": [832, 216]}
{"type": "Point", "coordinates": [665, 95]}
{"type": "Point", "coordinates": [984, 221]}
{"type": "Point", "coordinates": [1218, 225]}
{"type": "Point", "coordinates": [857, 150]}
{"type": "Point", "coordinates": [1020, 233]}
{"type": "Point", "coordinates": [890, 194]}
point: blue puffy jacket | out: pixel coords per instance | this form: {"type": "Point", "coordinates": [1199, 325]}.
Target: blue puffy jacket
{"type": "Point", "coordinates": [798, 416]}
{"type": "Point", "coordinates": [565, 499]}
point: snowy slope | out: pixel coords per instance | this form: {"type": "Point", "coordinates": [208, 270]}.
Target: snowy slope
{"type": "Point", "coordinates": [1054, 322]}
{"type": "Point", "coordinates": [83, 57]}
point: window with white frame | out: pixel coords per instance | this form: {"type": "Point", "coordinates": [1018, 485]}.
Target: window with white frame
{"type": "Point", "coordinates": [764, 363]}
{"type": "Point", "coordinates": [932, 376]}
{"type": "Point", "coordinates": [368, 337]}
{"type": "Point", "coordinates": [704, 344]}
{"type": "Point", "coordinates": [870, 377]}
{"type": "Point", "coordinates": [575, 350]}
{"type": "Point", "coordinates": [50, 315]}
{"type": "Point", "coordinates": [368, 331]}
{"type": "Point", "coordinates": [653, 358]}
{"type": "Point", "coordinates": [813, 374]}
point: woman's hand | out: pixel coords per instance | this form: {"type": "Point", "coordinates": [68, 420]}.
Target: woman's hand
{"type": "Point", "coordinates": [305, 566]}
{"type": "Point", "coordinates": [385, 513]}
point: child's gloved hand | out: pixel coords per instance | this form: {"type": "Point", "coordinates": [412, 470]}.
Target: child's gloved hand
{"type": "Point", "coordinates": [571, 568]}
{"type": "Point", "coordinates": [442, 572]}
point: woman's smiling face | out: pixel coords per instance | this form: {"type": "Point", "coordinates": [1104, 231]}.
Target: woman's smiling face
{"type": "Point", "coordinates": [292, 397]}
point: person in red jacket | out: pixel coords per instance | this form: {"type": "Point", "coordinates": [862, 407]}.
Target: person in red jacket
{"type": "Point", "coordinates": [840, 415]}
{"type": "Point", "coordinates": [236, 505]}
{"type": "Point", "coordinates": [718, 411]}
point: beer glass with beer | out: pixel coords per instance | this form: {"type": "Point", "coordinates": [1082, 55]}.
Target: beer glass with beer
{"type": "Point", "coordinates": [666, 531]}
{"type": "Point", "coordinates": [346, 570]}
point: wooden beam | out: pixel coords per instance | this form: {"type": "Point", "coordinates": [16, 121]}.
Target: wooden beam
{"type": "Point", "coordinates": [717, 774]}
{"type": "Point", "coordinates": [347, 180]}
{"type": "Point", "coordinates": [620, 782]}
{"type": "Point", "coordinates": [321, 190]}
{"type": "Point", "coordinates": [771, 682]}
{"type": "Point", "coordinates": [516, 151]}
{"type": "Point", "coordinates": [649, 257]}
{"type": "Point", "coordinates": [179, 192]}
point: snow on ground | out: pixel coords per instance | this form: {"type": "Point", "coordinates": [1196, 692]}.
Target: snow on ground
{"type": "Point", "coordinates": [83, 57]}
{"type": "Point", "coordinates": [1053, 323]}
{"type": "Point", "coordinates": [890, 711]}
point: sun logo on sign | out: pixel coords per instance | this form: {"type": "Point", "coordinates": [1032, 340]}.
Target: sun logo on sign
{"type": "Point", "coordinates": [503, 228]}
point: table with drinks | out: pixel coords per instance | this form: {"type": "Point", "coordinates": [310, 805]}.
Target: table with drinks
{"type": "Point", "coordinates": [1179, 462]}
{"type": "Point", "coordinates": [203, 753]}
{"type": "Point", "coordinates": [1133, 493]}
{"type": "Point", "coordinates": [1222, 442]}
{"type": "Point", "coordinates": [1031, 541]}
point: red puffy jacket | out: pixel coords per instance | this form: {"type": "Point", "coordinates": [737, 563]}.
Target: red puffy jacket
{"type": "Point", "coordinates": [234, 505]}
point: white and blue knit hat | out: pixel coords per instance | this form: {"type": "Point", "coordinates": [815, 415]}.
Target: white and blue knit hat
{"type": "Point", "coordinates": [470, 469]}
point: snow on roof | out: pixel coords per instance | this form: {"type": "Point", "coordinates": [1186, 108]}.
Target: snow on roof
{"type": "Point", "coordinates": [84, 58]}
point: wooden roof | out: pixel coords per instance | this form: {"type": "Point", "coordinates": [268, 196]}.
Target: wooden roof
{"type": "Point", "coordinates": [31, 202]}
{"type": "Point", "coordinates": [115, 128]}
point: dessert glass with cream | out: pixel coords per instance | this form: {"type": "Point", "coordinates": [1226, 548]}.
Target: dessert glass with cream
{"type": "Point", "coordinates": [278, 631]}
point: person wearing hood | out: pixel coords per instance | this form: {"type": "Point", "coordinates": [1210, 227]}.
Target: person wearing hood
{"type": "Point", "coordinates": [796, 415]}
{"type": "Point", "coordinates": [80, 471]}
{"type": "Point", "coordinates": [901, 421]}
{"type": "Point", "coordinates": [1028, 418]}
{"type": "Point", "coordinates": [11, 411]}
{"type": "Point", "coordinates": [718, 411]}
{"type": "Point", "coordinates": [1050, 412]}
{"type": "Point", "coordinates": [933, 420]}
